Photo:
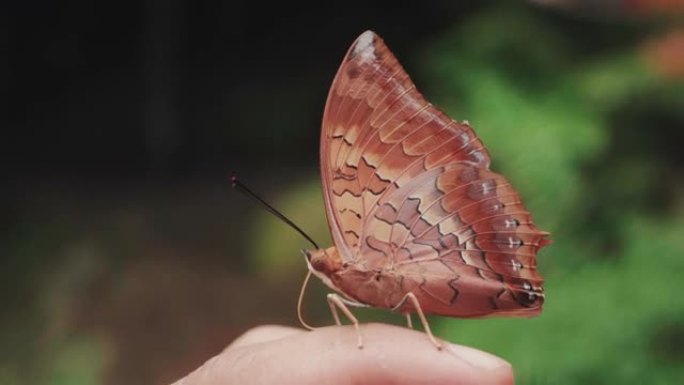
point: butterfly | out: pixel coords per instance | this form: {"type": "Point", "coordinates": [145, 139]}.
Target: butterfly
{"type": "Point", "coordinates": [420, 224]}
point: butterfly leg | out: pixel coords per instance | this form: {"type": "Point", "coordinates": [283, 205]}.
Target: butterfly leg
{"type": "Point", "coordinates": [335, 302]}
{"type": "Point", "coordinates": [416, 305]}
{"type": "Point", "coordinates": [409, 322]}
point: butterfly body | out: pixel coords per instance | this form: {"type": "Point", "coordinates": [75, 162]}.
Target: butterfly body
{"type": "Point", "coordinates": [412, 205]}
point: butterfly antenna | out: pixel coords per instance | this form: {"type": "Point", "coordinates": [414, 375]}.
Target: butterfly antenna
{"type": "Point", "coordinates": [249, 193]}
{"type": "Point", "coordinates": [245, 190]}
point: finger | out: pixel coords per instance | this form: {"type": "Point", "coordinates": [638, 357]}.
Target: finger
{"type": "Point", "coordinates": [329, 355]}
{"type": "Point", "coordinates": [262, 334]}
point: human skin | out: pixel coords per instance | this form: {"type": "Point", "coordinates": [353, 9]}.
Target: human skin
{"type": "Point", "coordinates": [391, 355]}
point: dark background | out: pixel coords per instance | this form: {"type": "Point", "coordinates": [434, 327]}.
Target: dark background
{"type": "Point", "coordinates": [126, 258]}
{"type": "Point", "coordinates": [175, 88]}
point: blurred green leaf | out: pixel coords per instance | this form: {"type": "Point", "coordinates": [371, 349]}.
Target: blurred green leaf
{"type": "Point", "coordinates": [277, 248]}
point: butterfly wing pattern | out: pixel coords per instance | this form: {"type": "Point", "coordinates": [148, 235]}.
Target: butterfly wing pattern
{"type": "Point", "coordinates": [412, 204]}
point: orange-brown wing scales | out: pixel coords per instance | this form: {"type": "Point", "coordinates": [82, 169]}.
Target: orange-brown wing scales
{"type": "Point", "coordinates": [376, 125]}
{"type": "Point", "coordinates": [475, 209]}
{"type": "Point", "coordinates": [450, 289]}
{"type": "Point", "coordinates": [409, 192]}
{"type": "Point", "coordinates": [359, 98]}
{"type": "Point", "coordinates": [470, 220]}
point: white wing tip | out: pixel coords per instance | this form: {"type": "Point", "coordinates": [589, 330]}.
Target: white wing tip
{"type": "Point", "coordinates": [364, 45]}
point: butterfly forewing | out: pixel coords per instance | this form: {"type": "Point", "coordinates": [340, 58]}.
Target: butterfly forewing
{"type": "Point", "coordinates": [409, 191]}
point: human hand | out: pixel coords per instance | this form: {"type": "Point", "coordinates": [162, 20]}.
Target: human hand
{"type": "Point", "coordinates": [329, 355]}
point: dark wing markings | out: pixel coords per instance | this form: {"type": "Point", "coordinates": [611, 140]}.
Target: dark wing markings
{"type": "Point", "coordinates": [344, 210]}
{"type": "Point", "coordinates": [344, 191]}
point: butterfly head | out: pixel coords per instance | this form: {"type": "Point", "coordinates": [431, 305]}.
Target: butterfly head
{"type": "Point", "coordinates": [323, 261]}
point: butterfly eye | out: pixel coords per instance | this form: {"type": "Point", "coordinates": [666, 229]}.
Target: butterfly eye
{"type": "Point", "coordinates": [325, 261]}
{"type": "Point", "coordinates": [315, 259]}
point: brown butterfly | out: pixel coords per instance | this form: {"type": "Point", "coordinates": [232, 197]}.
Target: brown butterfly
{"type": "Point", "coordinates": [419, 222]}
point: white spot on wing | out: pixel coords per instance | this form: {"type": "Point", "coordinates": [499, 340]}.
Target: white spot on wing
{"type": "Point", "coordinates": [479, 156]}
{"type": "Point", "coordinates": [364, 46]}
{"type": "Point", "coordinates": [485, 188]}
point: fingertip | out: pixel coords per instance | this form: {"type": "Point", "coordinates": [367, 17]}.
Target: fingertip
{"type": "Point", "coordinates": [263, 333]}
{"type": "Point", "coordinates": [396, 354]}
{"type": "Point", "coordinates": [477, 358]}
{"type": "Point", "coordinates": [390, 354]}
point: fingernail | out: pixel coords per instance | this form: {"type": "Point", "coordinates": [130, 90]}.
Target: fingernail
{"type": "Point", "coordinates": [477, 358]}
